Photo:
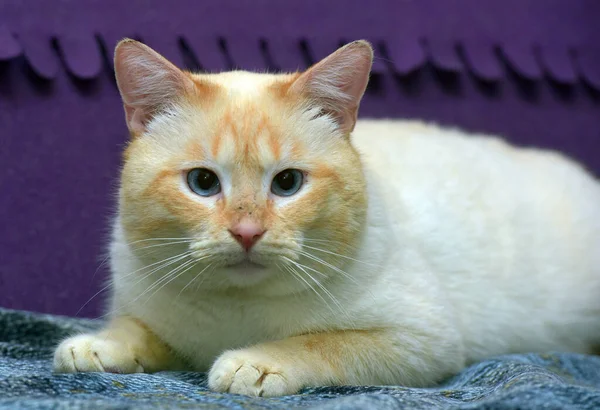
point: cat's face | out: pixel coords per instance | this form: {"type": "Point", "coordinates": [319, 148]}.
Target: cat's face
{"type": "Point", "coordinates": [253, 172]}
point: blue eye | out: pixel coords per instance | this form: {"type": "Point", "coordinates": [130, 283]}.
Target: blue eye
{"type": "Point", "coordinates": [203, 182]}
{"type": "Point", "coordinates": [287, 182]}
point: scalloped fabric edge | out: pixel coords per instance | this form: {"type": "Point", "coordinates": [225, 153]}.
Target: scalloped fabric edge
{"type": "Point", "coordinates": [85, 57]}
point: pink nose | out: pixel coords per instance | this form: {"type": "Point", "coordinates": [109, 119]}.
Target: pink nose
{"type": "Point", "coordinates": [247, 233]}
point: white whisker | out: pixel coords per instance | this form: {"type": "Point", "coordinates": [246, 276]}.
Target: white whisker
{"type": "Point", "coordinates": [320, 285]}
{"type": "Point", "coordinates": [174, 277]}
{"type": "Point", "coordinates": [327, 292]}
{"type": "Point", "coordinates": [165, 263]}
{"type": "Point", "coordinates": [329, 242]}
{"type": "Point", "coordinates": [162, 244]}
{"type": "Point", "coordinates": [329, 265]}
{"type": "Point", "coordinates": [341, 256]}
{"type": "Point", "coordinates": [161, 239]}
{"type": "Point", "coordinates": [171, 260]}
{"type": "Point", "coordinates": [194, 278]}
{"type": "Point", "coordinates": [178, 259]}
{"type": "Point", "coordinates": [310, 286]}
{"type": "Point", "coordinates": [166, 277]}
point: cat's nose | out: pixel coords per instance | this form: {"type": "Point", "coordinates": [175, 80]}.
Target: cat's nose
{"type": "Point", "coordinates": [247, 233]}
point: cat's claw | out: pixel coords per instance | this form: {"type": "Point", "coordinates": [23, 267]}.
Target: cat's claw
{"type": "Point", "coordinates": [251, 374]}
{"type": "Point", "coordinates": [92, 353]}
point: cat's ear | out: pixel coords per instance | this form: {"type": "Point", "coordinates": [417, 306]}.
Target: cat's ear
{"type": "Point", "coordinates": [147, 82]}
{"type": "Point", "coordinates": [338, 82]}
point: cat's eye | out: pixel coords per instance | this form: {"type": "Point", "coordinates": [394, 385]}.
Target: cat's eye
{"type": "Point", "coordinates": [203, 182]}
{"type": "Point", "coordinates": [287, 182]}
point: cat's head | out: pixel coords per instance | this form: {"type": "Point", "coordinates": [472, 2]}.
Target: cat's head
{"type": "Point", "coordinates": [252, 176]}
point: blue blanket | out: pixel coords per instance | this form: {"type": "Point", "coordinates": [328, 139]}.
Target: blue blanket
{"type": "Point", "coordinates": [553, 381]}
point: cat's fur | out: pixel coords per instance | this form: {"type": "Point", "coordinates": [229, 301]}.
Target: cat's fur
{"type": "Point", "coordinates": [410, 252]}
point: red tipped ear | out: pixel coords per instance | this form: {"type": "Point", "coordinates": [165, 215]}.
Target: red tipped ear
{"type": "Point", "coordinates": [147, 83]}
{"type": "Point", "coordinates": [338, 82]}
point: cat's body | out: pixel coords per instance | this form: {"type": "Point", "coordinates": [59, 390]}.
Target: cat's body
{"type": "Point", "coordinates": [460, 247]}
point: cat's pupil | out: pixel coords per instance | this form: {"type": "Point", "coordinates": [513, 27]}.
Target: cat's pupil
{"type": "Point", "coordinates": [286, 180]}
{"type": "Point", "coordinates": [206, 179]}
{"type": "Point", "coordinates": [203, 182]}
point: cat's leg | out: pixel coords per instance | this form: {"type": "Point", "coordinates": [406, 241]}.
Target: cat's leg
{"type": "Point", "coordinates": [125, 345]}
{"type": "Point", "coordinates": [369, 357]}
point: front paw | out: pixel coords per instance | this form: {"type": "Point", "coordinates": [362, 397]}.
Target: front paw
{"type": "Point", "coordinates": [253, 373]}
{"type": "Point", "coordinates": [93, 353]}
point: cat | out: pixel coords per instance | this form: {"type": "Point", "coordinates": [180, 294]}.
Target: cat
{"type": "Point", "coordinates": [268, 237]}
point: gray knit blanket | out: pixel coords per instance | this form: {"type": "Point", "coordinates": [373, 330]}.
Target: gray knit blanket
{"type": "Point", "coordinates": [553, 381]}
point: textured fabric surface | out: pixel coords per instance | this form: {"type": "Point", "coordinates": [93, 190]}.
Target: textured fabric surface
{"type": "Point", "coordinates": [553, 381]}
{"type": "Point", "coordinates": [526, 69]}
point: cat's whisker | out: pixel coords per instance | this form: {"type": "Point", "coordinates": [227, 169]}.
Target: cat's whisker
{"type": "Point", "coordinates": [174, 277]}
{"type": "Point", "coordinates": [183, 241]}
{"type": "Point", "coordinates": [162, 279]}
{"type": "Point", "coordinates": [333, 298]}
{"type": "Point", "coordinates": [288, 268]}
{"type": "Point", "coordinates": [329, 241]}
{"type": "Point", "coordinates": [179, 259]}
{"type": "Point", "coordinates": [338, 255]}
{"type": "Point", "coordinates": [167, 277]}
{"type": "Point", "coordinates": [106, 258]}
{"type": "Point", "coordinates": [152, 254]}
{"type": "Point", "coordinates": [329, 265]}
{"type": "Point", "coordinates": [166, 262]}
{"type": "Point", "coordinates": [299, 277]}
{"type": "Point", "coordinates": [159, 239]}
{"type": "Point", "coordinates": [314, 270]}
{"type": "Point", "coordinates": [211, 270]}
{"type": "Point", "coordinates": [320, 285]}
{"type": "Point", "coordinates": [336, 269]}
{"type": "Point", "coordinates": [161, 244]}
{"type": "Point", "coordinates": [194, 278]}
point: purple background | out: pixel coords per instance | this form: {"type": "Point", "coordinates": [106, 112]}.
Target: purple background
{"type": "Point", "coordinates": [527, 69]}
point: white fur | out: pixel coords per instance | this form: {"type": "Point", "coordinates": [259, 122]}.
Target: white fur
{"type": "Point", "coordinates": [472, 249]}
{"type": "Point", "coordinates": [468, 239]}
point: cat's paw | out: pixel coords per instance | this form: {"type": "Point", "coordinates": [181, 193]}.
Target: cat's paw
{"type": "Point", "coordinates": [93, 353]}
{"type": "Point", "coordinates": [252, 373]}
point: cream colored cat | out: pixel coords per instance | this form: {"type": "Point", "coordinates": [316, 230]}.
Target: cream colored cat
{"type": "Point", "coordinates": [262, 236]}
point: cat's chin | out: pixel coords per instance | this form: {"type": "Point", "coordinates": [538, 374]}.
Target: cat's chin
{"type": "Point", "coordinates": [246, 274]}
{"type": "Point", "coordinates": [246, 268]}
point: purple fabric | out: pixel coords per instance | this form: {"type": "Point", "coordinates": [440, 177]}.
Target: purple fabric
{"type": "Point", "coordinates": [527, 69]}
